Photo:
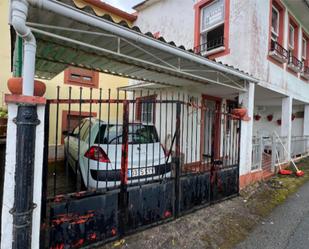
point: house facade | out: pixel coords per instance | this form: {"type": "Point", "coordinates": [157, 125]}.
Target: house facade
{"type": "Point", "coordinates": [190, 99]}
{"type": "Point", "coordinates": [267, 39]}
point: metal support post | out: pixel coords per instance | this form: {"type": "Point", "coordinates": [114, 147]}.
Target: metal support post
{"type": "Point", "coordinates": [26, 122]}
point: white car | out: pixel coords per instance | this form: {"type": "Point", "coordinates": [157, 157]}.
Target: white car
{"type": "Point", "coordinates": [100, 163]}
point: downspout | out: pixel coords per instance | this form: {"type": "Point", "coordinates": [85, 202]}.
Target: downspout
{"type": "Point", "coordinates": [19, 14]}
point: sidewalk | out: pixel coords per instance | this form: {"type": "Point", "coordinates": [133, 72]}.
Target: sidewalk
{"type": "Point", "coordinates": [222, 225]}
{"type": "Point", "coordinates": [286, 227]}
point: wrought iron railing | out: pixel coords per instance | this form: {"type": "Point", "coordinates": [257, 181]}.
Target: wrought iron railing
{"type": "Point", "coordinates": [276, 47]}
{"type": "Point", "coordinates": [210, 45]}
{"type": "Point", "coordinates": [295, 62]}
{"type": "Point", "coordinates": [306, 70]}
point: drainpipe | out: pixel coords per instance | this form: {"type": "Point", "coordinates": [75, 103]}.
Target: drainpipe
{"type": "Point", "coordinates": [26, 122]}
{"type": "Point", "coordinates": [18, 20]}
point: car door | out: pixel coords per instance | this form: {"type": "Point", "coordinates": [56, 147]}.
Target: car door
{"type": "Point", "coordinates": [72, 144]}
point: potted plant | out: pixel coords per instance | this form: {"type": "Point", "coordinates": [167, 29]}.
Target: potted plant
{"type": "Point", "coordinates": [239, 112]}
{"type": "Point", "coordinates": [15, 85]}
{"type": "Point", "coordinates": [3, 121]}
{"type": "Point", "coordinates": [257, 117]}
{"type": "Point", "coordinates": [270, 117]}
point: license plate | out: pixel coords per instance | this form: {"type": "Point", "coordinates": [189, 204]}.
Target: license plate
{"type": "Point", "coordinates": [141, 172]}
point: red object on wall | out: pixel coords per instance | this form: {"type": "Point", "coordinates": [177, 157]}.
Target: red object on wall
{"type": "Point", "coordinates": [239, 112]}
{"type": "Point", "coordinates": [279, 121]}
{"type": "Point", "coordinates": [270, 117]}
{"type": "Point", "coordinates": [257, 117]}
{"type": "Point", "coordinates": [15, 85]}
{"type": "Point", "coordinates": [81, 77]}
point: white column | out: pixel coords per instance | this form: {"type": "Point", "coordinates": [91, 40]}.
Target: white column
{"type": "Point", "coordinates": [245, 159]}
{"type": "Point", "coordinates": [9, 179]}
{"type": "Point", "coordinates": [306, 120]}
{"type": "Point", "coordinates": [306, 125]}
{"type": "Point", "coordinates": [286, 123]}
{"type": "Point", "coordinates": [38, 174]}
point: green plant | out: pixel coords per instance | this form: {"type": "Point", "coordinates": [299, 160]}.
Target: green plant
{"type": "Point", "coordinates": [3, 112]}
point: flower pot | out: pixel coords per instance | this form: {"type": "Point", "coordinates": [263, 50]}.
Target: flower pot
{"type": "Point", "coordinates": [279, 121]}
{"type": "Point", "coordinates": [270, 117]}
{"type": "Point", "coordinates": [257, 117]}
{"type": "Point", "coordinates": [239, 112]}
{"type": "Point", "coordinates": [15, 85]}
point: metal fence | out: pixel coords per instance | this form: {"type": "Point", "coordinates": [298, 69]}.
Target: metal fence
{"type": "Point", "coordinates": [299, 145]}
{"type": "Point", "coordinates": [267, 152]}
{"type": "Point", "coordinates": [257, 152]}
{"type": "Point", "coordinates": [117, 162]}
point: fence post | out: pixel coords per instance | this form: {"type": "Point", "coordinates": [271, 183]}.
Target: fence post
{"type": "Point", "coordinates": [123, 195]}
{"type": "Point", "coordinates": [44, 176]}
{"type": "Point", "coordinates": [177, 160]}
{"type": "Point", "coordinates": [273, 152]}
{"type": "Point", "coordinates": [261, 150]}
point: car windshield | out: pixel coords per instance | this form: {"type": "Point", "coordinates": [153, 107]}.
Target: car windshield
{"type": "Point", "coordinates": [138, 134]}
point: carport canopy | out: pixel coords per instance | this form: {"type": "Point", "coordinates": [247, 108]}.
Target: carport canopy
{"type": "Point", "coordinates": [69, 36]}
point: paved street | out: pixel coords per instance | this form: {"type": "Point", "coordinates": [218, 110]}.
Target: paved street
{"type": "Point", "coordinates": [286, 228]}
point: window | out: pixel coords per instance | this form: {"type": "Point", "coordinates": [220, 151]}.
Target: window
{"type": "Point", "coordinates": [275, 24]}
{"type": "Point", "coordinates": [145, 109]}
{"type": "Point", "coordinates": [291, 36]}
{"type": "Point", "coordinates": [212, 26]}
{"type": "Point", "coordinates": [304, 49]}
{"type": "Point", "coordinates": [137, 134]}
{"type": "Point", "coordinates": [81, 77]}
{"type": "Point", "coordinates": [84, 131]}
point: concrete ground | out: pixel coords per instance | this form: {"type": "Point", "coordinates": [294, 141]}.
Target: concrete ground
{"type": "Point", "coordinates": [286, 228]}
{"type": "Point", "coordinates": [226, 224]}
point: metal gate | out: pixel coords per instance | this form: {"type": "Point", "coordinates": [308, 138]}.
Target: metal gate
{"type": "Point", "coordinates": [117, 162]}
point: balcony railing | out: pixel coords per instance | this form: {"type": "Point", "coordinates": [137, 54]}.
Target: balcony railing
{"type": "Point", "coordinates": [305, 72]}
{"type": "Point", "coordinates": [209, 45]}
{"type": "Point", "coordinates": [295, 64]}
{"type": "Point", "coordinates": [278, 52]}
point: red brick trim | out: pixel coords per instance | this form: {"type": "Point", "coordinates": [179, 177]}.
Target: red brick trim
{"type": "Point", "coordinates": [281, 9]}
{"type": "Point", "coordinates": [138, 114]}
{"type": "Point", "coordinates": [79, 82]}
{"type": "Point", "coordinates": [295, 25]}
{"type": "Point", "coordinates": [217, 135]}
{"type": "Point", "coordinates": [11, 98]}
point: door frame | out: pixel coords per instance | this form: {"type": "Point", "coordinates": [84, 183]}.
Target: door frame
{"type": "Point", "coordinates": [217, 125]}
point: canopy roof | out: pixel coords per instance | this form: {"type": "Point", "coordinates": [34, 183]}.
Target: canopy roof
{"type": "Point", "coordinates": [69, 36]}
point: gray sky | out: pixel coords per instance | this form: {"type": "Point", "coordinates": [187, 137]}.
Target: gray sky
{"type": "Point", "coordinates": [125, 5]}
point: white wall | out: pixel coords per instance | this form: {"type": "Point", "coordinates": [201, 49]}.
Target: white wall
{"type": "Point", "coordinates": [174, 20]}
{"type": "Point", "coordinates": [265, 128]}
{"type": "Point", "coordinates": [249, 33]}
{"type": "Point", "coordinates": [248, 39]}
